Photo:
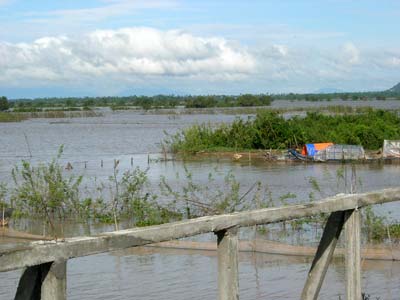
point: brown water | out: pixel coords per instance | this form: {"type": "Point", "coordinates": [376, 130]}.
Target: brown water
{"type": "Point", "coordinates": [175, 274]}
{"type": "Point", "coordinates": [143, 273]}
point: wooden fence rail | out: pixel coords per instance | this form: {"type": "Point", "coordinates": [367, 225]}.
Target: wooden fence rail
{"type": "Point", "coordinates": [44, 276]}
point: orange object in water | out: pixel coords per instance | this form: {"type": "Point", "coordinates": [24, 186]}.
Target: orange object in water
{"type": "Point", "coordinates": [311, 149]}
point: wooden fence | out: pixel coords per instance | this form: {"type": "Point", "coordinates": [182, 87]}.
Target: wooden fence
{"type": "Point", "coordinates": [44, 262]}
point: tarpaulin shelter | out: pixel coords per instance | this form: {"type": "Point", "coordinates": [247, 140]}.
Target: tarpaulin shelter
{"type": "Point", "coordinates": [391, 149]}
{"type": "Point", "coordinates": [312, 149]}
{"type": "Point", "coordinates": [340, 152]}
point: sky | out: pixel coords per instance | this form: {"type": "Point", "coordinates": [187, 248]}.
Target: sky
{"type": "Point", "coordinates": [125, 47]}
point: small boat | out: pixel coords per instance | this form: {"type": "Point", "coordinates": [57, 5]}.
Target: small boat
{"type": "Point", "coordinates": [296, 155]}
{"type": "Point", "coordinates": [309, 151]}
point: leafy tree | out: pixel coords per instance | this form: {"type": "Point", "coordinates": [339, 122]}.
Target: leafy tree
{"type": "Point", "coordinates": [4, 105]}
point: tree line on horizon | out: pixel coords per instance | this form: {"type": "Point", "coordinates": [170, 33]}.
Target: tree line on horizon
{"type": "Point", "coordinates": [144, 102]}
{"type": "Point", "coordinates": [188, 101]}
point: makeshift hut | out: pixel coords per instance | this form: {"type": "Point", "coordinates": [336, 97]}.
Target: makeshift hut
{"type": "Point", "coordinates": [391, 149]}
{"type": "Point", "coordinates": [340, 152]}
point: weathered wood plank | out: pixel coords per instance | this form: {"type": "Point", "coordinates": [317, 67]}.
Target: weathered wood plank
{"type": "Point", "coordinates": [7, 232]}
{"type": "Point", "coordinates": [228, 276]}
{"type": "Point", "coordinates": [323, 256]}
{"type": "Point", "coordinates": [353, 254]}
{"type": "Point", "coordinates": [47, 251]}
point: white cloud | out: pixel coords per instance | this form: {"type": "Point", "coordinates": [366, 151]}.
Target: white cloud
{"type": "Point", "coordinates": [281, 49]}
{"type": "Point", "coordinates": [351, 54]}
{"type": "Point", "coordinates": [395, 61]}
{"type": "Point", "coordinates": [124, 54]}
{"type": "Point", "coordinates": [132, 58]}
{"type": "Point", "coordinates": [307, 68]}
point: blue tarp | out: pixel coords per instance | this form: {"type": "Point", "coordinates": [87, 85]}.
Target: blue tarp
{"type": "Point", "coordinates": [310, 149]}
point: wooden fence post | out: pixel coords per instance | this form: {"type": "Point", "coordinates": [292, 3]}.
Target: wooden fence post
{"type": "Point", "coordinates": [43, 282]}
{"type": "Point", "coordinates": [54, 285]}
{"type": "Point", "coordinates": [323, 256]}
{"type": "Point", "coordinates": [353, 255]}
{"type": "Point", "coordinates": [228, 277]}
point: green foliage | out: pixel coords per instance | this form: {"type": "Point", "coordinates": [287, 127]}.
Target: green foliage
{"type": "Point", "coordinates": [132, 201]}
{"type": "Point", "coordinates": [193, 200]}
{"type": "Point", "coordinates": [270, 130]}
{"type": "Point", "coordinates": [143, 102]}
{"type": "Point", "coordinates": [201, 102]}
{"type": "Point", "coordinates": [11, 117]}
{"type": "Point", "coordinates": [379, 95]}
{"type": "Point", "coordinates": [3, 194]}
{"type": "Point", "coordinates": [254, 100]}
{"type": "Point", "coordinates": [4, 105]}
{"type": "Point", "coordinates": [44, 191]}
{"type": "Point", "coordinates": [189, 101]}
{"type": "Point", "coordinates": [375, 226]}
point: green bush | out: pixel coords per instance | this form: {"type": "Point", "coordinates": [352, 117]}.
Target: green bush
{"type": "Point", "coordinates": [44, 190]}
{"type": "Point", "coordinates": [270, 130]}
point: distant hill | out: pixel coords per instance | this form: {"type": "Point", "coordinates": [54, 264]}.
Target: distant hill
{"type": "Point", "coordinates": [396, 88]}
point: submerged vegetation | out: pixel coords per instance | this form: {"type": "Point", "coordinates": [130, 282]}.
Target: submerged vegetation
{"type": "Point", "coordinates": [270, 130]}
{"type": "Point", "coordinates": [47, 192]}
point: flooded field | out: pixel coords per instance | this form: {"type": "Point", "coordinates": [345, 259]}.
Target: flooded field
{"type": "Point", "coordinates": [141, 273]}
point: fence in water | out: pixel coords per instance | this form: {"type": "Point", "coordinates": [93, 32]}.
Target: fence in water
{"type": "Point", "coordinates": [44, 276]}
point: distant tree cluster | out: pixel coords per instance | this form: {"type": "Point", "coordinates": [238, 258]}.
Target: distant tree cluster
{"type": "Point", "coordinates": [254, 100]}
{"type": "Point", "coordinates": [144, 102]}
{"type": "Point", "coordinates": [4, 105]}
{"type": "Point", "coordinates": [381, 95]}
{"type": "Point", "coordinates": [188, 101]}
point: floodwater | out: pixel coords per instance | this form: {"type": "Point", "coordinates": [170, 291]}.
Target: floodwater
{"type": "Point", "coordinates": [143, 273]}
{"type": "Point", "coordinates": [133, 137]}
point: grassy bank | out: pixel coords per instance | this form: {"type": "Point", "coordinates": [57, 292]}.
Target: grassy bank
{"type": "Point", "coordinates": [11, 117]}
{"type": "Point", "coordinates": [50, 114]}
{"type": "Point", "coordinates": [269, 130]}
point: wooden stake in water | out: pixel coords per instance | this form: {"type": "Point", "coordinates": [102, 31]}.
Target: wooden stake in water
{"type": "Point", "coordinates": [131, 161]}
{"type": "Point", "coordinates": [101, 164]}
{"type": "Point", "coordinates": [27, 144]}
{"type": "Point", "coordinates": [353, 188]}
